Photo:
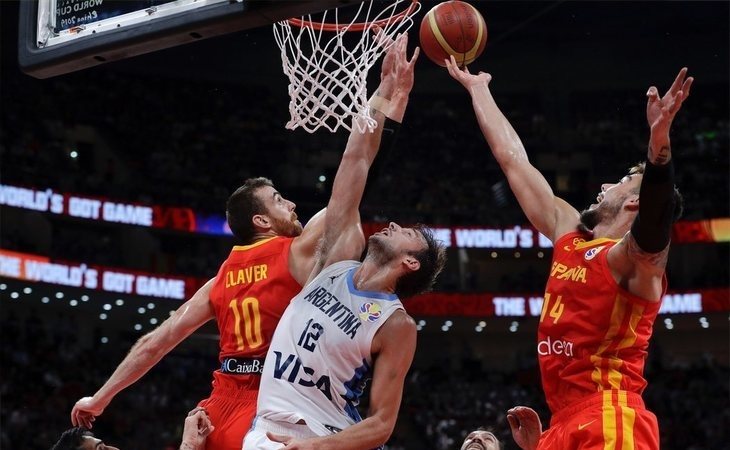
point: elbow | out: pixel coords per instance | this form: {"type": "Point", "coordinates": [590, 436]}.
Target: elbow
{"type": "Point", "coordinates": [382, 429]}
{"type": "Point", "coordinates": [150, 346]}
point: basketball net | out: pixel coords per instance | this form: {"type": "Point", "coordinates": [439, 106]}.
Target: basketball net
{"type": "Point", "coordinates": [328, 72]}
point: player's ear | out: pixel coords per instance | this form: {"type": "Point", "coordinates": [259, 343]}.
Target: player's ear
{"type": "Point", "coordinates": [261, 221]}
{"type": "Point", "coordinates": [411, 263]}
{"type": "Point", "coordinates": [632, 202]}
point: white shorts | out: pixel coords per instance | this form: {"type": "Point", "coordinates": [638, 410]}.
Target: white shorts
{"type": "Point", "coordinates": [256, 438]}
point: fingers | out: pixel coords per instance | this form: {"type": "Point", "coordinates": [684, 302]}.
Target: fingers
{"type": "Point", "coordinates": [686, 87]}
{"type": "Point", "coordinates": [678, 81]}
{"type": "Point", "coordinates": [416, 52]}
{"type": "Point", "coordinates": [280, 438]}
{"type": "Point", "coordinates": [514, 424]}
{"type": "Point", "coordinates": [652, 93]}
{"type": "Point", "coordinates": [81, 419]}
{"type": "Point", "coordinates": [452, 67]}
{"type": "Point", "coordinates": [205, 426]}
{"type": "Point", "coordinates": [195, 410]}
{"type": "Point", "coordinates": [85, 421]}
{"type": "Point", "coordinates": [381, 38]}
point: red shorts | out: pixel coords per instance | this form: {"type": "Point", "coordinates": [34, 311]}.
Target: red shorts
{"type": "Point", "coordinates": [608, 420]}
{"type": "Point", "coordinates": [231, 408]}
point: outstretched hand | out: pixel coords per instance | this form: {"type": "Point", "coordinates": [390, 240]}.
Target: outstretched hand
{"type": "Point", "coordinates": [660, 112]}
{"type": "Point", "coordinates": [466, 78]}
{"type": "Point", "coordinates": [404, 67]}
{"type": "Point", "coordinates": [396, 75]}
{"type": "Point", "coordinates": [85, 411]}
{"type": "Point", "coordinates": [525, 425]}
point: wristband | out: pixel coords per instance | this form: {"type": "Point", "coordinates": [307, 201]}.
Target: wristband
{"type": "Point", "coordinates": [381, 104]}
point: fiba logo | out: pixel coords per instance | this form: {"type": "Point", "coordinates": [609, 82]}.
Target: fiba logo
{"type": "Point", "coordinates": [590, 254]}
{"type": "Point", "coordinates": [370, 311]}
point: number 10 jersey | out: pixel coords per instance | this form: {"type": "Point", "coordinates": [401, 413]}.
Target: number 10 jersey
{"type": "Point", "coordinates": [250, 293]}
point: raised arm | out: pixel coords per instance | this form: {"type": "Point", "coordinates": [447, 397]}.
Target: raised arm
{"type": "Point", "coordinates": [303, 250]}
{"type": "Point", "coordinates": [394, 344]}
{"type": "Point", "coordinates": [343, 236]}
{"type": "Point", "coordinates": [145, 353]}
{"type": "Point", "coordinates": [551, 215]}
{"type": "Point", "coordinates": [638, 261]}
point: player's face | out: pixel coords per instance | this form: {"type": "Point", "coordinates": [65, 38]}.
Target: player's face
{"type": "Point", "coordinates": [280, 211]}
{"type": "Point", "coordinates": [610, 200]}
{"type": "Point", "coordinates": [92, 443]}
{"type": "Point", "coordinates": [395, 241]}
{"type": "Point", "coordinates": [480, 440]}
{"type": "Point", "coordinates": [612, 193]}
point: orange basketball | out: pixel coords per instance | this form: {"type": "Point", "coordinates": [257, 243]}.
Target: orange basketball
{"type": "Point", "coordinates": [453, 28]}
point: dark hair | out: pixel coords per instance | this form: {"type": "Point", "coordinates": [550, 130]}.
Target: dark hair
{"type": "Point", "coordinates": [71, 439]}
{"type": "Point", "coordinates": [242, 205]}
{"type": "Point", "coordinates": [432, 260]}
{"type": "Point", "coordinates": [639, 168]}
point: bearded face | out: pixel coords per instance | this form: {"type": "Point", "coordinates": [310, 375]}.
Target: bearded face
{"type": "Point", "coordinates": [289, 228]}
{"type": "Point", "coordinates": [380, 249]}
{"type": "Point", "coordinates": [606, 210]}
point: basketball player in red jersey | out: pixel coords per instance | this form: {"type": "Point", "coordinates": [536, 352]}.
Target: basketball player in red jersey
{"type": "Point", "coordinates": [606, 281]}
{"type": "Point", "coordinates": [247, 298]}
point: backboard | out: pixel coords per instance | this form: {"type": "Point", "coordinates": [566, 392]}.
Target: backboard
{"type": "Point", "coordinates": [61, 36]}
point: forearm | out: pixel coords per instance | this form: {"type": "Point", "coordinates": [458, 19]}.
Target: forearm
{"type": "Point", "coordinates": [660, 150]}
{"type": "Point", "coordinates": [189, 446]}
{"type": "Point", "coordinates": [502, 138]}
{"type": "Point", "coordinates": [652, 227]}
{"type": "Point", "coordinates": [140, 359]}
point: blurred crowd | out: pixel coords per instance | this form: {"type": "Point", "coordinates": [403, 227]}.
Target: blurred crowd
{"type": "Point", "coordinates": [46, 368]}
{"type": "Point", "coordinates": [191, 144]}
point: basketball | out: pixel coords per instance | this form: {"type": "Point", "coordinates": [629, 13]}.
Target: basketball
{"type": "Point", "coordinates": [453, 28]}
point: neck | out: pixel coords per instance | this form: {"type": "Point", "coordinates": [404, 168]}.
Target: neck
{"type": "Point", "coordinates": [615, 229]}
{"type": "Point", "coordinates": [261, 236]}
{"type": "Point", "coordinates": [375, 277]}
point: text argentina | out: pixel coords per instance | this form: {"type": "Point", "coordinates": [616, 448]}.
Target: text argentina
{"type": "Point", "coordinates": [323, 300]}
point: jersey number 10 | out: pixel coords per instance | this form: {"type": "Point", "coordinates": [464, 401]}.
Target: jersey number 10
{"type": "Point", "coordinates": [248, 318]}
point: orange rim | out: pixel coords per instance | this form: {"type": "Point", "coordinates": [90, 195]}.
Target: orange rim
{"type": "Point", "coordinates": [358, 26]}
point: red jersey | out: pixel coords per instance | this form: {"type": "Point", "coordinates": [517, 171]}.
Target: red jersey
{"type": "Point", "coordinates": [593, 334]}
{"type": "Point", "coordinates": [250, 293]}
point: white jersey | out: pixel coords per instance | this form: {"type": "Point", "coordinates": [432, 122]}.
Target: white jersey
{"type": "Point", "coordinates": [319, 358]}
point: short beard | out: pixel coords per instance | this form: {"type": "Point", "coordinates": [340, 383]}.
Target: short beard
{"type": "Point", "coordinates": [287, 228]}
{"type": "Point", "coordinates": [379, 251]}
{"type": "Point", "coordinates": [591, 218]}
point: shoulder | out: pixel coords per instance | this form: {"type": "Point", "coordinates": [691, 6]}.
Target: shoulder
{"type": "Point", "coordinates": [398, 329]}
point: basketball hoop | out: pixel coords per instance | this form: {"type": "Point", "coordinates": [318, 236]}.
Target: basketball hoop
{"type": "Point", "coordinates": [328, 72]}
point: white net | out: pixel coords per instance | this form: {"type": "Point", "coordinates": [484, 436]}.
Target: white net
{"type": "Point", "coordinates": [328, 70]}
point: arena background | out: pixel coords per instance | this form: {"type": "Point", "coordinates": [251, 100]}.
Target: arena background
{"type": "Point", "coordinates": [173, 132]}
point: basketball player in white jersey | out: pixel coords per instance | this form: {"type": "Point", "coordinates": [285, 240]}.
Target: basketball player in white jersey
{"type": "Point", "coordinates": [348, 323]}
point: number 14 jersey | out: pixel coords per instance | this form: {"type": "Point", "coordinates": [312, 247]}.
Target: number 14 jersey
{"type": "Point", "coordinates": [593, 334]}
